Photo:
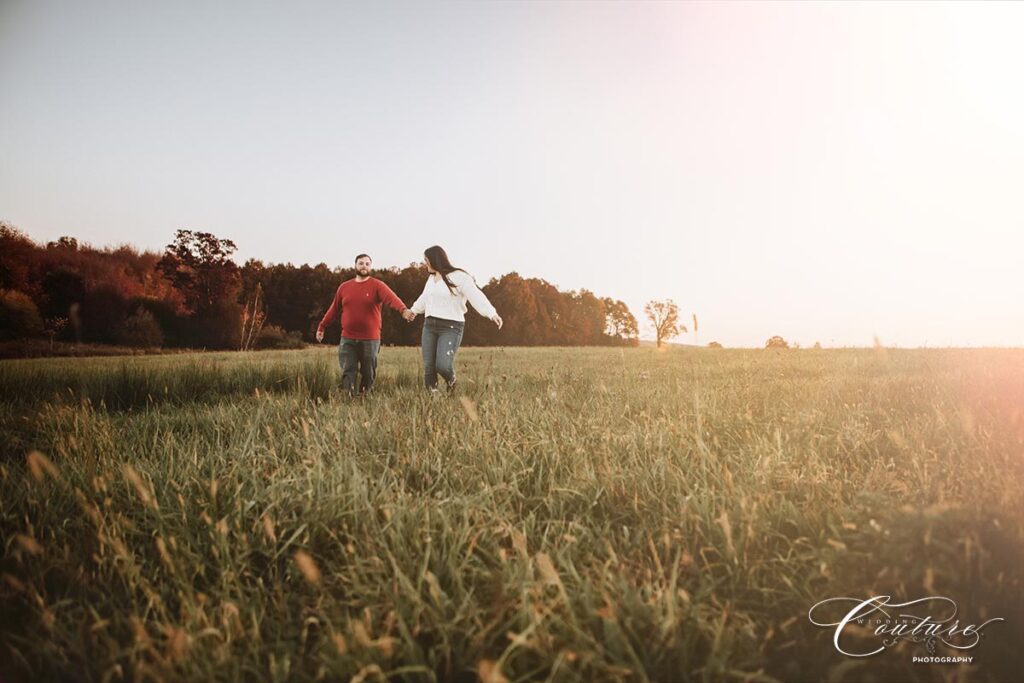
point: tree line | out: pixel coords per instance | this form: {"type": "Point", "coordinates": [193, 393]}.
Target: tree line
{"type": "Point", "coordinates": [193, 295]}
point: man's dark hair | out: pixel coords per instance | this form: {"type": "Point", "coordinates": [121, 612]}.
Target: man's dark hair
{"type": "Point", "coordinates": [361, 256]}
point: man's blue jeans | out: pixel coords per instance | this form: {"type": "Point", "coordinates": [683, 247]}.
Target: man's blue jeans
{"type": "Point", "coordinates": [358, 354]}
{"type": "Point", "coordinates": [440, 342]}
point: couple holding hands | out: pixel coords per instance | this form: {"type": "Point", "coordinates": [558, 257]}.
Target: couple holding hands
{"type": "Point", "coordinates": [443, 303]}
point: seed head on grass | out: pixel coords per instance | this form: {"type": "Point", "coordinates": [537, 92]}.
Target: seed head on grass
{"type": "Point", "coordinates": [366, 672]}
{"type": "Point", "coordinates": [489, 671]}
{"type": "Point", "coordinates": [519, 543]}
{"type": "Point", "coordinates": [39, 466]}
{"type": "Point", "coordinates": [548, 573]}
{"type": "Point", "coordinates": [470, 407]}
{"type": "Point", "coordinates": [135, 479]}
{"type": "Point", "coordinates": [16, 584]}
{"type": "Point", "coordinates": [165, 557]}
{"type": "Point", "coordinates": [310, 572]}
{"type": "Point", "coordinates": [29, 544]}
{"type": "Point", "coordinates": [385, 644]}
{"type": "Point", "coordinates": [177, 644]}
{"type": "Point", "coordinates": [723, 521]}
{"type": "Point", "coordinates": [268, 528]}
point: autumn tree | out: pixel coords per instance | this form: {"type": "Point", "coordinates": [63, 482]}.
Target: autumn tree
{"type": "Point", "coordinates": [586, 318]}
{"type": "Point", "coordinates": [16, 257]}
{"type": "Point", "coordinates": [620, 324]}
{"type": "Point", "coordinates": [191, 295]}
{"type": "Point", "coordinates": [199, 266]}
{"type": "Point", "coordinates": [104, 310]}
{"type": "Point", "coordinates": [19, 316]}
{"type": "Point", "coordinates": [664, 316]}
{"type": "Point", "coordinates": [512, 297]}
{"type": "Point", "coordinates": [552, 313]}
{"type": "Point", "coordinates": [296, 297]}
{"type": "Point", "coordinates": [61, 289]}
{"type": "Point", "coordinates": [64, 242]}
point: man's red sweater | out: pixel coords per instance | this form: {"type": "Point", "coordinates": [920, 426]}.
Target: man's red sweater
{"type": "Point", "coordinates": [360, 308]}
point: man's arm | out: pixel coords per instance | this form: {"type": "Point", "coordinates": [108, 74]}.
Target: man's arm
{"type": "Point", "coordinates": [333, 312]}
{"type": "Point", "coordinates": [387, 296]}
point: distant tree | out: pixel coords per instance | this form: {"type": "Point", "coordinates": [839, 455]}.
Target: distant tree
{"type": "Point", "coordinates": [54, 327]}
{"type": "Point", "coordinates": [817, 345]}
{"type": "Point", "coordinates": [140, 330]}
{"type": "Point", "coordinates": [199, 266]}
{"type": "Point", "coordinates": [64, 242]}
{"type": "Point", "coordinates": [175, 327]}
{"type": "Point", "coordinates": [217, 326]}
{"type": "Point", "coordinates": [252, 274]}
{"type": "Point", "coordinates": [193, 291]}
{"type": "Point", "coordinates": [776, 342]}
{"type": "Point", "coordinates": [19, 317]}
{"type": "Point", "coordinates": [664, 316]}
{"type": "Point", "coordinates": [16, 259]}
{"type": "Point", "coordinates": [512, 296]}
{"type": "Point", "coordinates": [60, 289]}
{"type": "Point", "coordinates": [586, 318]}
{"type": "Point", "coordinates": [620, 324]}
{"type": "Point", "coordinates": [714, 345]}
{"type": "Point", "coordinates": [102, 313]}
{"type": "Point", "coordinates": [552, 314]}
{"type": "Point", "coordinates": [297, 296]}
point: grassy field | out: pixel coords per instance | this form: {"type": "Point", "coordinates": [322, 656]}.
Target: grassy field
{"type": "Point", "coordinates": [588, 514]}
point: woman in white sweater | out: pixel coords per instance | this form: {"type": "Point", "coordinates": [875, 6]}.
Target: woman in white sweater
{"type": "Point", "coordinates": [443, 302]}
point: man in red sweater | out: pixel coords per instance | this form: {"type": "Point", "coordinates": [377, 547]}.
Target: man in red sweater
{"type": "Point", "coordinates": [359, 300]}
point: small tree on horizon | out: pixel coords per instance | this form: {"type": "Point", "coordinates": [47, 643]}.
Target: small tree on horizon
{"type": "Point", "coordinates": [664, 315]}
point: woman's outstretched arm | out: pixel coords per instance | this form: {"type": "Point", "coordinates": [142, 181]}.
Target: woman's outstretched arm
{"type": "Point", "coordinates": [476, 297]}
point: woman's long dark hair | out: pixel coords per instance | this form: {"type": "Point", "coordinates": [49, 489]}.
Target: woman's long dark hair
{"type": "Point", "coordinates": [439, 262]}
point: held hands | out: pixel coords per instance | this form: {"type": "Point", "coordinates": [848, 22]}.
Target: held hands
{"type": "Point", "coordinates": [496, 319]}
{"type": "Point", "coordinates": [320, 335]}
{"type": "Point", "coordinates": [408, 315]}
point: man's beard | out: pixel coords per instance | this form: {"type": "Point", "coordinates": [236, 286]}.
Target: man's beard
{"type": "Point", "coordinates": [363, 272]}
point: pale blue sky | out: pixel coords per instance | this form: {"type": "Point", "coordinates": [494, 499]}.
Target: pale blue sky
{"type": "Point", "coordinates": [821, 171]}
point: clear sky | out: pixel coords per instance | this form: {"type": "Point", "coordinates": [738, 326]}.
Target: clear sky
{"type": "Point", "coordinates": [822, 171]}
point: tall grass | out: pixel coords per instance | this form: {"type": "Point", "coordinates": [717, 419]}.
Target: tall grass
{"type": "Point", "coordinates": [583, 515]}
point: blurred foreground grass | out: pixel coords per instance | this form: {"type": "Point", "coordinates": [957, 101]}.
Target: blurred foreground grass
{"type": "Point", "coordinates": [584, 514]}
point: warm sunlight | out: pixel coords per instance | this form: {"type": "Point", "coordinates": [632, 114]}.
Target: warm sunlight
{"type": "Point", "coordinates": [568, 341]}
{"type": "Point", "coordinates": [828, 172]}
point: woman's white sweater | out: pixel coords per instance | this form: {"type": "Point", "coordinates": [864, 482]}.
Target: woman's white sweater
{"type": "Point", "coordinates": [440, 302]}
